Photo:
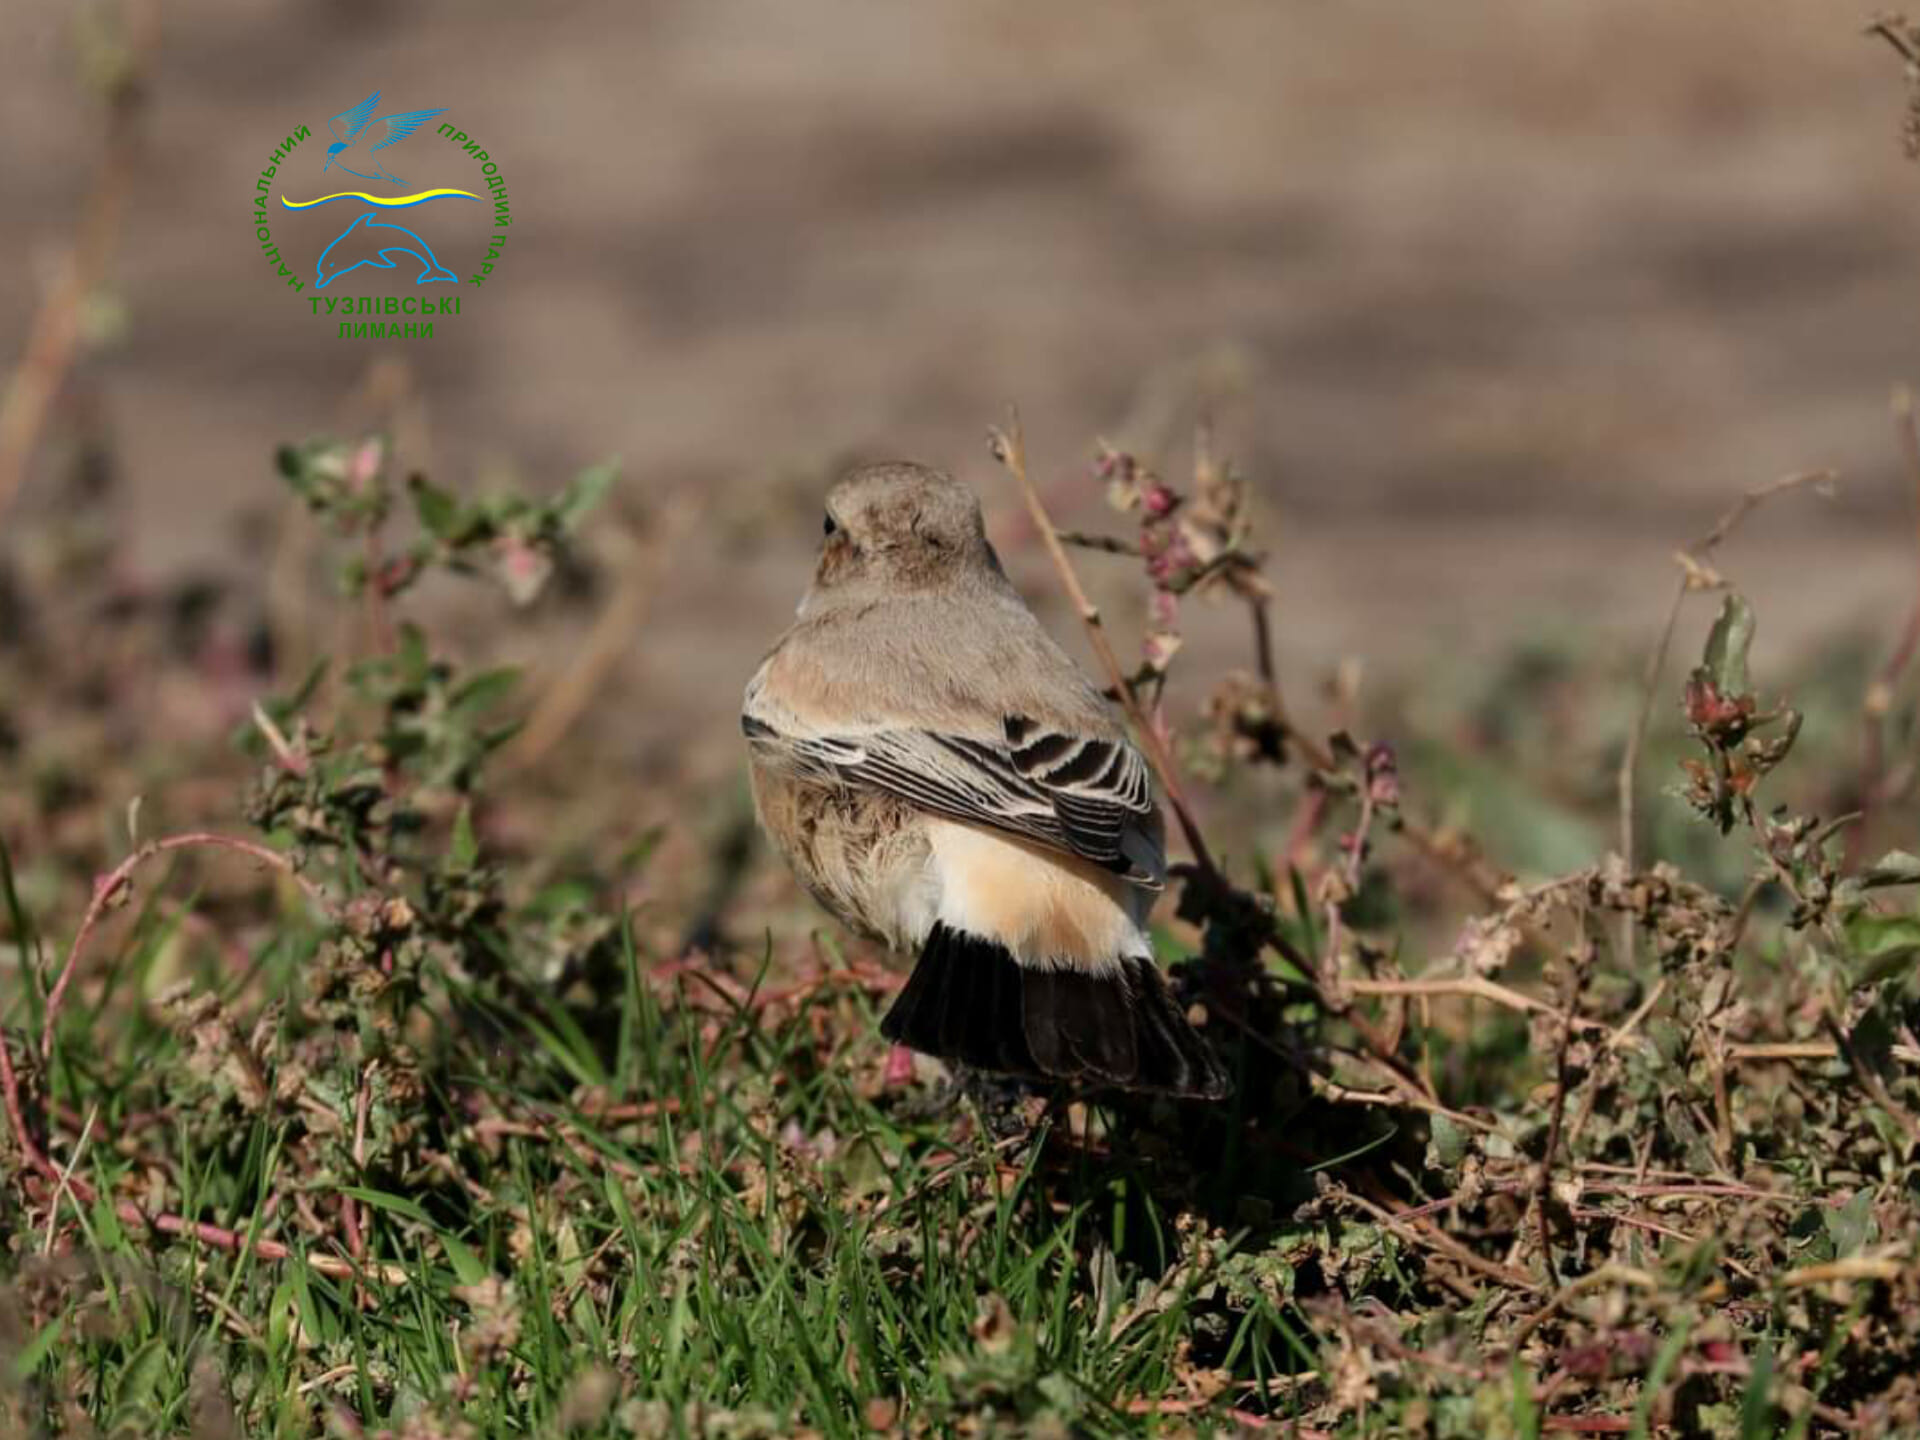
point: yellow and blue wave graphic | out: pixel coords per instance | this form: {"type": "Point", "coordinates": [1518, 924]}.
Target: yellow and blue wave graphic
{"type": "Point", "coordinates": [385, 202]}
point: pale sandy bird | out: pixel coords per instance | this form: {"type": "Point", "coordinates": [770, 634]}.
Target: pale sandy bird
{"type": "Point", "coordinates": [944, 779]}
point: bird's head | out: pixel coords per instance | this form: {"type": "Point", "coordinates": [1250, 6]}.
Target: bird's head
{"type": "Point", "coordinates": [337, 147]}
{"type": "Point", "coordinates": [900, 526]}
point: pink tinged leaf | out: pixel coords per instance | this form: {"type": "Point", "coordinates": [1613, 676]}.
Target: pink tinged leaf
{"type": "Point", "coordinates": [365, 464]}
{"type": "Point", "coordinates": [522, 568]}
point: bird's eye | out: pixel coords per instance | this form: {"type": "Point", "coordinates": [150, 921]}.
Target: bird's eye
{"type": "Point", "coordinates": [829, 526]}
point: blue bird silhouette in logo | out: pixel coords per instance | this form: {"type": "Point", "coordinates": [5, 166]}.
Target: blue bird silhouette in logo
{"type": "Point", "coordinates": [347, 125]}
{"type": "Point", "coordinates": [389, 242]}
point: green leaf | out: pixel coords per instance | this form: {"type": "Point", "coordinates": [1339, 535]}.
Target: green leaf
{"type": "Point", "coordinates": [484, 691]}
{"type": "Point", "coordinates": [143, 1372]}
{"type": "Point", "coordinates": [106, 1225]}
{"type": "Point", "coordinates": [1446, 1144]}
{"type": "Point", "coordinates": [1882, 945]}
{"type": "Point", "coordinates": [280, 1317]}
{"type": "Point", "coordinates": [466, 1265]}
{"type": "Point", "coordinates": [465, 849]}
{"type": "Point", "coordinates": [35, 1350]}
{"type": "Point", "coordinates": [1756, 1405]}
{"type": "Point", "coordinates": [1725, 659]}
{"type": "Point", "coordinates": [1851, 1227]}
{"type": "Point", "coordinates": [584, 492]}
{"type": "Point", "coordinates": [412, 659]}
{"type": "Point", "coordinates": [381, 1200]}
{"type": "Point", "coordinates": [438, 510]}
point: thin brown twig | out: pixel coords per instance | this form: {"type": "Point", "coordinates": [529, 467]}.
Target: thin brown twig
{"type": "Point", "coordinates": [1466, 987]}
{"type": "Point", "coordinates": [1009, 448]}
{"type": "Point", "coordinates": [16, 1116]}
{"type": "Point", "coordinates": [1640, 1012]}
{"type": "Point", "coordinates": [349, 1207]}
{"type": "Point", "coordinates": [112, 888]}
{"type": "Point", "coordinates": [1427, 1235]}
{"type": "Point", "coordinates": [217, 1236]}
{"type": "Point", "coordinates": [1870, 1079]}
{"type": "Point", "coordinates": [1886, 28]}
{"type": "Point", "coordinates": [563, 702]}
{"type": "Point", "coordinates": [1592, 1280]}
{"type": "Point", "coordinates": [1104, 544]}
{"type": "Point", "coordinates": [64, 1185]}
{"type": "Point", "coordinates": [54, 338]}
{"type": "Point", "coordinates": [1349, 876]}
{"type": "Point", "coordinates": [1582, 965]}
{"type": "Point", "coordinates": [1855, 1267]}
{"type": "Point", "coordinates": [1448, 853]}
{"type": "Point", "coordinates": [1878, 700]}
{"type": "Point", "coordinates": [1809, 1050]}
{"type": "Point", "coordinates": [1340, 1094]}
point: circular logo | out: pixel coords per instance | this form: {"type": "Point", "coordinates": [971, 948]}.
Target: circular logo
{"type": "Point", "coordinates": [379, 257]}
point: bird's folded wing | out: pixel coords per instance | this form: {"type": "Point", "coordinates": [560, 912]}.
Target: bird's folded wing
{"type": "Point", "coordinates": [1085, 796]}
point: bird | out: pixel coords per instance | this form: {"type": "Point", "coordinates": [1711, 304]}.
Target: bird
{"type": "Point", "coordinates": [941, 777]}
{"type": "Point", "coordinates": [347, 125]}
{"type": "Point", "coordinates": [389, 241]}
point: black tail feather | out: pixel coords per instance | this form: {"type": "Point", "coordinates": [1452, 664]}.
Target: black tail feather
{"type": "Point", "coordinates": [969, 1000]}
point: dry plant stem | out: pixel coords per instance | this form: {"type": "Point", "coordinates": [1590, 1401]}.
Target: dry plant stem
{"type": "Point", "coordinates": [1878, 700]}
{"type": "Point", "coordinates": [64, 1185]}
{"type": "Point", "coordinates": [1340, 1094]}
{"type": "Point", "coordinates": [110, 889]}
{"type": "Point", "coordinates": [564, 701]}
{"type": "Point", "coordinates": [1429, 1236]}
{"type": "Point", "coordinates": [1582, 962]}
{"type": "Point", "coordinates": [1009, 448]}
{"type": "Point", "coordinates": [1592, 1280]}
{"type": "Point", "coordinates": [349, 1209]}
{"type": "Point", "coordinates": [217, 1236]}
{"type": "Point", "coordinates": [22, 1136]}
{"type": "Point", "coordinates": [1700, 550]}
{"type": "Point", "coordinates": [1482, 878]}
{"type": "Point", "coordinates": [1350, 881]}
{"type": "Point", "coordinates": [1809, 1050]}
{"type": "Point", "coordinates": [55, 335]}
{"type": "Point", "coordinates": [1467, 987]}
{"type": "Point", "coordinates": [1105, 544]}
{"type": "Point", "coordinates": [1889, 31]}
{"type": "Point", "coordinates": [1260, 610]}
{"type": "Point", "coordinates": [1871, 1082]}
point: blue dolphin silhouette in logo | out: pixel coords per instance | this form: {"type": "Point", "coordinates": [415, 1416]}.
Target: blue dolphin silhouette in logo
{"type": "Point", "coordinates": [347, 125]}
{"type": "Point", "coordinates": [389, 243]}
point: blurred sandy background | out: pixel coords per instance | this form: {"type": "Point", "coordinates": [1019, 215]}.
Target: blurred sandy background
{"type": "Point", "coordinates": [1499, 302]}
